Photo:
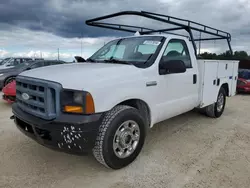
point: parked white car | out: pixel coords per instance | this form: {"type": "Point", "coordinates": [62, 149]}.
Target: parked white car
{"type": "Point", "coordinates": [107, 104]}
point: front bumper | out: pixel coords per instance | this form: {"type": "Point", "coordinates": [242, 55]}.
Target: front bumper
{"type": "Point", "coordinates": [9, 98]}
{"type": "Point", "coordinates": [243, 89]}
{"type": "Point", "coordinates": [70, 133]}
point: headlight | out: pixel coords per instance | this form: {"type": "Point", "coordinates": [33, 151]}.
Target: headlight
{"type": "Point", "coordinates": [1, 74]}
{"type": "Point", "coordinates": [79, 102]}
{"type": "Point", "coordinates": [78, 97]}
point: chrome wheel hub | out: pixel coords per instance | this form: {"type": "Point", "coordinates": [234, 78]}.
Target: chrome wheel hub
{"type": "Point", "coordinates": [126, 139]}
{"type": "Point", "coordinates": [220, 102]}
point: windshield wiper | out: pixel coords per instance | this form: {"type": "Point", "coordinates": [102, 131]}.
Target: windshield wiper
{"type": "Point", "coordinates": [148, 58]}
{"type": "Point", "coordinates": [112, 60]}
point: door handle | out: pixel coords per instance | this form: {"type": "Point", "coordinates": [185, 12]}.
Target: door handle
{"type": "Point", "coordinates": [153, 83]}
{"type": "Point", "coordinates": [194, 78]}
{"type": "Point", "coordinates": [218, 82]}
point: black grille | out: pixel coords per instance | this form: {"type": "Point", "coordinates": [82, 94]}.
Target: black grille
{"type": "Point", "coordinates": [37, 97]}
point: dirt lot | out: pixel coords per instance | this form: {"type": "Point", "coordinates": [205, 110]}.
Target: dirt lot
{"type": "Point", "coordinates": [188, 151]}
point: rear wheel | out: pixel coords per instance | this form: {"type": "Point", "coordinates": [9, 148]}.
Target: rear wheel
{"type": "Point", "coordinates": [121, 137]}
{"type": "Point", "coordinates": [216, 110]}
{"type": "Point", "coordinates": [9, 80]}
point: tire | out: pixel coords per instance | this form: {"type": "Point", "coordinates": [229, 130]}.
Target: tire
{"type": "Point", "coordinates": [112, 123]}
{"type": "Point", "coordinates": [9, 80]}
{"type": "Point", "coordinates": [216, 110]}
{"type": "Point", "coordinates": [202, 111]}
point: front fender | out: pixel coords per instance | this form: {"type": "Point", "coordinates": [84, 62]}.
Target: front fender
{"type": "Point", "coordinates": [107, 102]}
{"type": "Point", "coordinates": [106, 99]}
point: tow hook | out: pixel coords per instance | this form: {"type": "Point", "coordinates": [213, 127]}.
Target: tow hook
{"type": "Point", "coordinates": [12, 117]}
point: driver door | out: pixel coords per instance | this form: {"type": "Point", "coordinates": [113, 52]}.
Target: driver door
{"type": "Point", "coordinates": [179, 91]}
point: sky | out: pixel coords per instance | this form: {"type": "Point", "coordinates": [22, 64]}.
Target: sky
{"type": "Point", "coordinates": [36, 28]}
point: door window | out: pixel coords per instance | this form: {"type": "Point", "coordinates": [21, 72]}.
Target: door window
{"type": "Point", "coordinates": [177, 50]}
{"type": "Point", "coordinates": [27, 59]}
{"type": "Point", "coordinates": [14, 62]}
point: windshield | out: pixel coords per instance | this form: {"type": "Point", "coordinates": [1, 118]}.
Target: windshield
{"type": "Point", "coordinates": [139, 51]}
{"type": "Point", "coordinates": [4, 61]}
{"type": "Point", "coordinates": [245, 74]}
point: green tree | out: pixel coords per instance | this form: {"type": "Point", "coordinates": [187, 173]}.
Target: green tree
{"type": "Point", "coordinates": [240, 55]}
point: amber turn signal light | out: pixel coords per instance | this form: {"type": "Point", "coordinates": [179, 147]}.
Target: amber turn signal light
{"type": "Point", "coordinates": [73, 109]}
{"type": "Point", "coordinates": [90, 107]}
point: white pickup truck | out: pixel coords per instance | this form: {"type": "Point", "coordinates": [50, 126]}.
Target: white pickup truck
{"type": "Point", "coordinates": [106, 104]}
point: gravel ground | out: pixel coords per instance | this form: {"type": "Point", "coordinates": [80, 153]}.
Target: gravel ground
{"type": "Point", "coordinates": [187, 151]}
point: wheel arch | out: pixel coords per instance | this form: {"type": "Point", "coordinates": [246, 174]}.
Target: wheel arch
{"type": "Point", "coordinates": [8, 77]}
{"type": "Point", "coordinates": [225, 86]}
{"type": "Point", "coordinates": [140, 105]}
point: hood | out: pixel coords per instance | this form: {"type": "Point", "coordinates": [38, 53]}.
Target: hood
{"type": "Point", "coordinates": [10, 89]}
{"type": "Point", "coordinates": [84, 75]}
{"type": "Point", "coordinates": [5, 67]}
{"type": "Point", "coordinates": [11, 85]}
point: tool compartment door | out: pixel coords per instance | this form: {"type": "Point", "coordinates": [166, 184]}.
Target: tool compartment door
{"type": "Point", "coordinates": [225, 69]}
{"type": "Point", "coordinates": [209, 86]}
{"type": "Point", "coordinates": [234, 79]}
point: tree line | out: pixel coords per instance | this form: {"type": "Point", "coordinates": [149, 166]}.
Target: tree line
{"type": "Point", "coordinates": [237, 55]}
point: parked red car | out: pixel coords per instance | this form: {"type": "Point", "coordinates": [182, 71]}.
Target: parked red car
{"type": "Point", "coordinates": [243, 85]}
{"type": "Point", "coordinates": [9, 92]}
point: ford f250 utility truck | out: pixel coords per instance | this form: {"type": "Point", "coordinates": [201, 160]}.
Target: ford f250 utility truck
{"type": "Point", "coordinates": [107, 104]}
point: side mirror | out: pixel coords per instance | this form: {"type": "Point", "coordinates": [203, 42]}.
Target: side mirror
{"type": "Point", "coordinates": [28, 68]}
{"type": "Point", "coordinates": [80, 59]}
{"type": "Point", "coordinates": [172, 66]}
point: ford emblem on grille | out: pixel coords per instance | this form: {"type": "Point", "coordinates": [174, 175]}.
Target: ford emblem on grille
{"type": "Point", "coordinates": [25, 96]}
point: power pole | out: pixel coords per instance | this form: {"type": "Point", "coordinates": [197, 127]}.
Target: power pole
{"type": "Point", "coordinates": [81, 44]}
{"type": "Point", "coordinates": [58, 54]}
{"type": "Point", "coordinates": [81, 47]}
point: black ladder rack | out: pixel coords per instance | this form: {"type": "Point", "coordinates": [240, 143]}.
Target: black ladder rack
{"type": "Point", "coordinates": [189, 26]}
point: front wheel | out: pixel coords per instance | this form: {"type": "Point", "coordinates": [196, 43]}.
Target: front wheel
{"type": "Point", "coordinates": [121, 137]}
{"type": "Point", "coordinates": [216, 110]}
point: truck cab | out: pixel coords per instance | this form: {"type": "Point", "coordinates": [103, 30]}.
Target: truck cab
{"type": "Point", "coordinates": [106, 104]}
